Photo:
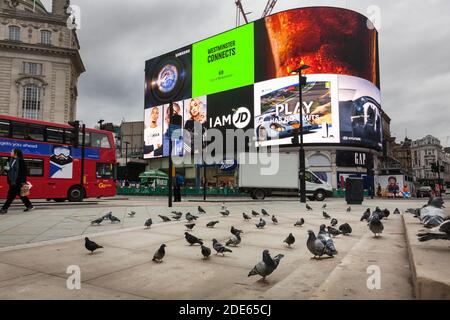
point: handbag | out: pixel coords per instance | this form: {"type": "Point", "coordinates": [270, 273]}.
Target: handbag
{"type": "Point", "coordinates": [25, 189]}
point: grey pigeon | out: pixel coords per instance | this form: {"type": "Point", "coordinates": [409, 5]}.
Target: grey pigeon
{"type": "Point", "coordinates": [261, 223]}
{"type": "Point", "coordinates": [159, 254]}
{"type": "Point", "coordinates": [299, 223]}
{"type": "Point", "coordinates": [190, 226]}
{"type": "Point", "coordinates": [97, 221]}
{"type": "Point", "coordinates": [432, 215]}
{"type": "Point", "coordinates": [234, 240]}
{"type": "Point", "coordinates": [176, 218]}
{"type": "Point", "coordinates": [366, 215]}
{"type": "Point", "coordinates": [396, 211]}
{"type": "Point", "coordinates": [290, 239]}
{"type": "Point", "coordinates": [246, 217]}
{"type": "Point", "coordinates": [206, 252]}
{"type": "Point", "coordinates": [132, 214]}
{"type": "Point", "coordinates": [277, 259]}
{"type": "Point", "coordinates": [107, 216]}
{"type": "Point", "coordinates": [315, 245]}
{"type": "Point", "coordinates": [308, 207]}
{"type": "Point", "coordinates": [266, 266]}
{"type": "Point", "coordinates": [91, 245]}
{"type": "Point", "coordinates": [148, 223]}
{"type": "Point", "coordinates": [324, 236]}
{"type": "Point", "coordinates": [349, 209]}
{"type": "Point", "coordinates": [375, 225]}
{"type": "Point", "coordinates": [114, 219]}
{"type": "Point", "coordinates": [254, 213]}
{"type": "Point", "coordinates": [345, 229]}
{"type": "Point", "coordinates": [334, 232]}
{"type": "Point", "coordinates": [326, 215]}
{"type": "Point", "coordinates": [235, 231]}
{"type": "Point", "coordinates": [190, 217]}
{"type": "Point", "coordinates": [164, 218]}
{"type": "Point", "coordinates": [441, 232]}
{"type": "Point", "coordinates": [386, 213]}
{"type": "Point", "coordinates": [274, 220]}
{"type": "Point", "coordinates": [225, 213]}
{"type": "Point", "coordinates": [264, 212]}
{"type": "Point", "coordinates": [334, 222]}
{"type": "Point", "coordinates": [220, 248]}
{"type": "Point", "coordinates": [178, 213]}
{"type": "Point", "coordinates": [192, 239]}
{"type": "Point", "coordinates": [211, 224]}
{"type": "Point", "coordinates": [201, 210]}
{"type": "Point", "coordinates": [324, 206]}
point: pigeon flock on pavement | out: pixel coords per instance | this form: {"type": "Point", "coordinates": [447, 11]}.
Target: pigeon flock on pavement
{"type": "Point", "coordinates": [430, 215]}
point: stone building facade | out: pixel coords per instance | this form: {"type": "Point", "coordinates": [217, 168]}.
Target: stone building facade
{"type": "Point", "coordinates": [40, 61]}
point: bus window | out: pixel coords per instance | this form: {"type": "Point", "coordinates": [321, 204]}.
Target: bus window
{"type": "Point", "coordinates": [99, 140]}
{"type": "Point", "coordinates": [4, 129]}
{"type": "Point", "coordinates": [19, 130]}
{"type": "Point", "coordinates": [3, 165]}
{"type": "Point", "coordinates": [35, 167]}
{"type": "Point", "coordinates": [105, 171]}
{"type": "Point", "coordinates": [87, 141]}
{"type": "Point", "coordinates": [55, 135]}
{"type": "Point", "coordinates": [68, 136]}
{"type": "Point", "coordinates": [35, 133]}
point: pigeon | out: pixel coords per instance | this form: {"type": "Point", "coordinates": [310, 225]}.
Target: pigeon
{"type": "Point", "coordinates": [261, 223]}
{"type": "Point", "coordinates": [177, 215]}
{"type": "Point", "coordinates": [334, 222]}
{"type": "Point", "coordinates": [316, 246]}
{"type": "Point", "coordinates": [264, 212]}
{"type": "Point", "coordinates": [441, 232]}
{"type": "Point", "coordinates": [324, 236]}
{"type": "Point", "coordinates": [366, 215]}
{"type": "Point", "coordinates": [225, 213]}
{"type": "Point", "coordinates": [235, 231]}
{"type": "Point", "coordinates": [190, 226]}
{"type": "Point", "coordinates": [345, 229]}
{"type": "Point", "coordinates": [220, 248]}
{"type": "Point", "coordinates": [396, 211]}
{"type": "Point", "coordinates": [91, 245]}
{"type": "Point", "coordinates": [234, 240]}
{"type": "Point", "coordinates": [308, 207]}
{"type": "Point", "coordinates": [107, 216]}
{"type": "Point", "coordinates": [159, 254]}
{"type": "Point", "coordinates": [299, 223]}
{"type": "Point", "coordinates": [132, 214]}
{"type": "Point", "coordinates": [254, 213]}
{"type": "Point", "coordinates": [211, 224]}
{"type": "Point", "coordinates": [324, 206]}
{"type": "Point", "coordinates": [246, 217]}
{"type": "Point", "coordinates": [349, 209]}
{"type": "Point", "coordinates": [190, 217]}
{"type": "Point", "coordinates": [375, 225]}
{"type": "Point", "coordinates": [148, 223]}
{"type": "Point", "coordinates": [265, 267]}
{"type": "Point", "coordinates": [97, 221]}
{"type": "Point", "coordinates": [192, 239]}
{"type": "Point", "coordinates": [164, 218]}
{"type": "Point", "coordinates": [201, 210]}
{"type": "Point", "coordinates": [326, 215]}
{"type": "Point", "coordinates": [290, 239]}
{"type": "Point", "coordinates": [334, 232]}
{"type": "Point", "coordinates": [176, 218]}
{"type": "Point", "coordinates": [432, 215]}
{"type": "Point", "coordinates": [386, 213]}
{"type": "Point", "coordinates": [274, 220]}
{"type": "Point", "coordinates": [206, 252]}
{"type": "Point", "coordinates": [114, 219]}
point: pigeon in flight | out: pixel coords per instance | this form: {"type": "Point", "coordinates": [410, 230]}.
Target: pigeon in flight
{"type": "Point", "coordinates": [220, 248]}
{"type": "Point", "coordinates": [97, 221]}
{"type": "Point", "coordinates": [349, 209]}
{"type": "Point", "coordinates": [91, 245]}
{"type": "Point", "coordinates": [326, 215]}
{"type": "Point", "coordinates": [254, 213]}
{"type": "Point", "coordinates": [334, 222]}
{"type": "Point", "coordinates": [375, 225]}
{"type": "Point", "coordinates": [201, 210]}
{"type": "Point", "coordinates": [159, 254]}
{"type": "Point", "coordinates": [132, 214]}
{"type": "Point", "coordinates": [148, 223]}
{"type": "Point", "coordinates": [261, 223]}
{"type": "Point", "coordinates": [299, 223]}
{"type": "Point", "coordinates": [396, 211]}
{"type": "Point", "coordinates": [366, 215]}
{"type": "Point", "coordinates": [246, 217]}
{"type": "Point", "coordinates": [225, 213]}
{"type": "Point", "coordinates": [308, 207]}
{"type": "Point", "coordinates": [235, 231]}
{"type": "Point", "coordinates": [264, 212]}
{"type": "Point", "coordinates": [324, 206]}
{"type": "Point", "coordinates": [164, 218]}
{"type": "Point", "coordinates": [211, 224]}
{"type": "Point", "coordinates": [432, 215]}
{"type": "Point", "coordinates": [114, 219]}
{"type": "Point", "coordinates": [290, 239]}
{"type": "Point", "coordinates": [265, 267]}
{"type": "Point", "coordinates": [334, 232]}
{"type": "Point", "coordinates": [234, 240]}
{"type": "Point", "coordinates": [189, 226]}
{"type": "Point", "coordinates": [441, 232]}
{"type": "Point", "coordinates": [192, 239]}
{"type": "Point", "coordinates": [190, 217]}
{"type": "Point", "coordinates": [345, 229]}
{"type": "Point", "coordinates": [206, 252]}
{"type": "Point", "coordinates": [274, 220]}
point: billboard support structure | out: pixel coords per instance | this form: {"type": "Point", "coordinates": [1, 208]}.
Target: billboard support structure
{"type": "Point", "coordinates": [170, 182]}
{"type": "Point", "coordinates": [204, 166]}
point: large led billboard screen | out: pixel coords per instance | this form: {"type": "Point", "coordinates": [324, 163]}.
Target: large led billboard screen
{"type": "Point", "coordinates": [241, 79]}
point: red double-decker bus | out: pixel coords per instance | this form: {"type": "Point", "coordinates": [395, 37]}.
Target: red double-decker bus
{"type": "Point", "coordinates": [54, 159]}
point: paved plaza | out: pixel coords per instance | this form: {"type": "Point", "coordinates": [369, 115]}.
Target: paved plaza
{"type": "Point", "coordinates": [38, 247]}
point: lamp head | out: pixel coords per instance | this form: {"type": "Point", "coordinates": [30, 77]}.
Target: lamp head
{"type": "Point", "coordinates": [299, 69]}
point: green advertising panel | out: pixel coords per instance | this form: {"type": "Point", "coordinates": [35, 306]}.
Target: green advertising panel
{"type": "Point", "coordinates": [223, 62]}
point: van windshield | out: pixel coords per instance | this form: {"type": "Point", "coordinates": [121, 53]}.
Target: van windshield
{"type": "Point", "coordinates": [312, 178]}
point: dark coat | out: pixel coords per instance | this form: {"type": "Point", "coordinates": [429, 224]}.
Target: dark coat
{"type": "Point", "coordinates": [20, 176]}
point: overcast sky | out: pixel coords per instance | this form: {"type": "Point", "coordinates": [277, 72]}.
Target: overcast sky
{"type": "Point", "coordinates": [117, 36]}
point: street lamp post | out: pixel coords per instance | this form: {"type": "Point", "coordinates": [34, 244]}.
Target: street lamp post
{"type": "Point", "coordinates": [301, 153]}
{"type": "Point", "coordinates": [126, 158]}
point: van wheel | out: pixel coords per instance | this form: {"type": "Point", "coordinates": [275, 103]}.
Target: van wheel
{"type": "Point", "coordinates": [75, 194]}
{"type": "Point", "coordinates": [259, 194]}
{"type": "Point", "coordinates": [320, 195]}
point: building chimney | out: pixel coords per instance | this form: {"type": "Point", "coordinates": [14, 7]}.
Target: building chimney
{"type": "Point", "coordinates": [59, 7]}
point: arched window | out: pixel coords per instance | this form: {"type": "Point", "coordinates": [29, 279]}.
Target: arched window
{"type": "Point", "coordinates": [46, 37]}
{"type": "Point", "coordinates": [31, 102]}
{"type": "Point", "coordinates": [14, 33]}
{"type": "Point", "coordinates": [319, 160]}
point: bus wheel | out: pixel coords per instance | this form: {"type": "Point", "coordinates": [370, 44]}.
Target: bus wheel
{"type": "Point", "coordinates": [59, 199]}
{"type": "Point", "coordinates": [75, 194]}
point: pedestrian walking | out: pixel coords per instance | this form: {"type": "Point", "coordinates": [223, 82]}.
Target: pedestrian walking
{"type": "Point", "coordinates": [179, 181]}
{"type": "Point", "coordinates": [17, 178]}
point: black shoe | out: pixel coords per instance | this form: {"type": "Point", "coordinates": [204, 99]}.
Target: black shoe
{"type": "Point", "coordinates": [28, 209]}
{"type": "Point", "coordinates": [3, 211]}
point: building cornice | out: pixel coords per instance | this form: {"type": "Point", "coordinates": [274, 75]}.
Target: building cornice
{"type": "Point", "coordinates": [34, 17]}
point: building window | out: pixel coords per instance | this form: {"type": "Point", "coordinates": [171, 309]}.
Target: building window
{"type": "Point", "coordinates": [46, 37]}
{"type": "Point", "coordinates": [31, 103]}
{"type": "Point", "coordinates": [14, 33]}
{"type": "Point", "coordinates": [34, 69]}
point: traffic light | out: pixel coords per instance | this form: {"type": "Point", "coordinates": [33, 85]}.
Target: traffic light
{"type": "Point", "coordinates": [76, 133]}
